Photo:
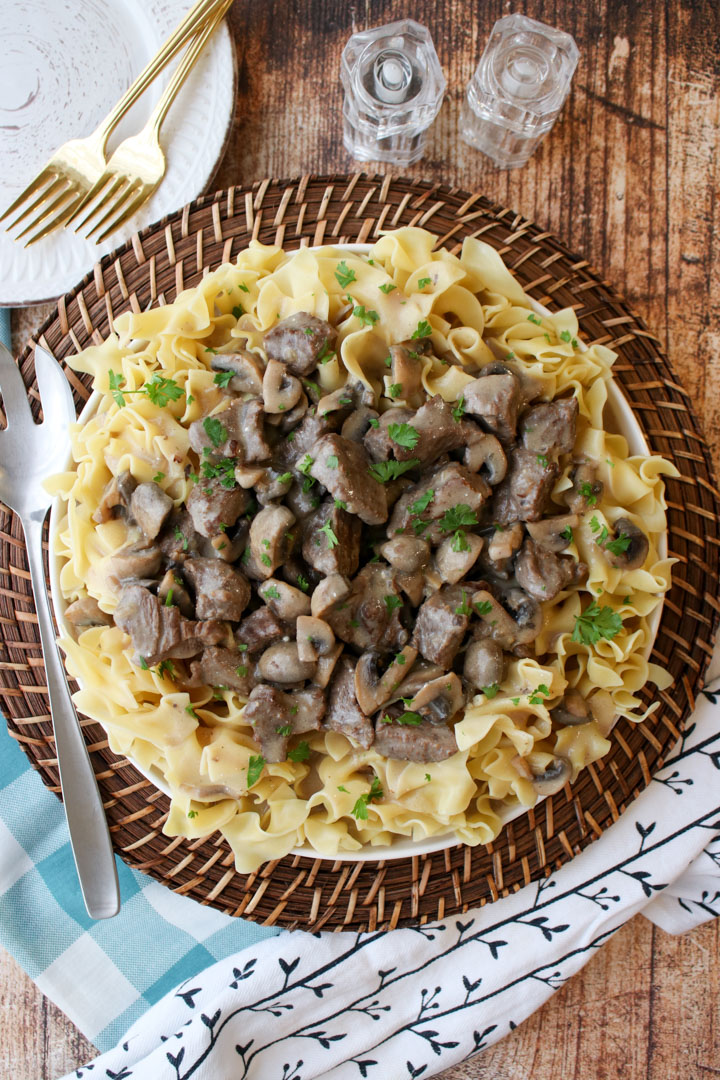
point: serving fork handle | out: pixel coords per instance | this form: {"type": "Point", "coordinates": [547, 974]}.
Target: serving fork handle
{"type": "Point", "coordinates": [89, 833]}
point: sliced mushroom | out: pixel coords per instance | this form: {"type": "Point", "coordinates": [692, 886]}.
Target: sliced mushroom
{"type": "Point", "coordinates": [173, 593]}
{"type": "Point", "coordinates": [484, 663]}
{"type": "Point", "coordinates": [439, 699]}
{"type": "Point", "coordinates": [412, 584]}
{"type": "Point", "coordinates": [505, 542]}
{"type": "Point", "coordinates": [281, 391]}
{"type": "Point", "coordinates": [326, 666]}
{"type": "Point", "coordinates": [86, 612]}
{"type": "Point", "coordinates": [554, 778]}
{"type": "Point", "coordinates": [457, 554]}
{"type": "Point", "coordinates": [269, 538]}
{"type": "Point", "coordinates": [284, 600]}
{"type": "Point", "coordinates": [407, 553]}
{"type": "Point", "coordinates": [291, 419]}
{"type": "Point", "coordinates": [282, 664]}
{"type": "Point", "coordinates": [508, 631]}
{"type": "Point", "coordinates": [247, 372]}
{"type": "Point", "coordinates": [314, 637]}
{"type": "Point", "coordinates": [115, 499]}
{"type": "Point", "coordinates": [247, 476]}
{"type": "Point", "coordinates": [586, 490]}
{"type": "Point", "coordinates": [328, 593]}
{"type": "Point", "coordinates": [373, 688]}
{"type": "Point", "coordinates": [484, 452]}
{"type": "Point", "coordinates": [421, 674]}
{"type": "Point", "coordinates": [271, 485]}
{"type": "Point", "coordinates": [542, 574]}
{"type": "Point", "coordinates": [140, 560]}
{"type": "Point", "coordinates": [572, 709]}
{"type": "Point", "coordinates": [553, 533]}
{"type": "Point", "coordinates": [407, 373]}
{"type": "Point", "coordinates": [636, 551]}
{"type": "Point", "coordinates": [150, 507]}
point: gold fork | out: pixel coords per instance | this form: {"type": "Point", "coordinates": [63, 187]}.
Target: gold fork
{"type": "Point", "coordinates": [137, 166]}
{"type": "Point", "coordinates": [64, 181]}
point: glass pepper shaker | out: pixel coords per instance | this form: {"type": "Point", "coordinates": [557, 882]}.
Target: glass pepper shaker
{"type": "Point", "coordinates": [518, 89]}
{"type": "Point", "coordinates": [394, 87]}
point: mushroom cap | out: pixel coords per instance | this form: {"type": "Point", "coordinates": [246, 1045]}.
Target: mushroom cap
{"type": "Point", "coordinates": [280, 663]}
{"type": "Point", "coordinates": [406, 553]}
{"type": "Point", "coordinates": [484, 663]}
{"type": "Point", "coordinates": [281, 391]}
{"type": "Point", "coordinates": [548, 532]}
{"type": "Point", "coordinates": [636, 551]}
{"type": "Point", "coordinates": [315, 637]}
{"type": "Point", "coordinates": [554, 778]}
{"type": "Point", "coordinates": [572, 709]}
{"type": "Point", "coordinates": [485, 452]}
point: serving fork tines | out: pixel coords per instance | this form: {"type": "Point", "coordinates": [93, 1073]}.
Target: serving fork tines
{"type": "Point", "coordinates": [29, 454]}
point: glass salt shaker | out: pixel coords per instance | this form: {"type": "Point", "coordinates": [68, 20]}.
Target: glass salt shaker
{"type": "Point", "coordinates": [518, 89]}
{"type": "Point", "coordinates": [394, 87]}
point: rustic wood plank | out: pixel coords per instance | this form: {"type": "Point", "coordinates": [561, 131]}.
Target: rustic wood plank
{"type": "Point", "coordinates": [629, 178]}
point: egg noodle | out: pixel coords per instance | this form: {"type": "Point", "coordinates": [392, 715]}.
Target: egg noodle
{"type": "Point", "coordinates": [198, 739]}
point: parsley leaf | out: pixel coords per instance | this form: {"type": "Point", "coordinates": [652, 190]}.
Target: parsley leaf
{"type": "Point", "coordinates": [331, 461]}
{"type": "Point", "coordinates": [222, 378]}
{"type": "Point", "coordinates": [391, 603]}
{"type": "Point", "coordinates": [383, 471]}
{"type": "Point", "coordinates": [542, 460]}
{"type": "Point", "coordinates": [459, 541]}
{"type": "Point", "coordinates": [586, 490]}
{"type": "Point", "coordinates": [158, 477]}
{"type": "Point", "coordinates": [192, 813]}
{"type": "Point", "coordinates": [490, 691]}
{"type": "Point", "coordinates": [359, 810]}
{"type": "Point", "coordinates": [387, 287]}
{"type": "Point", "coordinates": [326, 354]}
{"type": "Point", "coordinates": [332, 540]}
{"type": "Point", "coordinates": [412, 719]}
{"type": "Point", "coordinates": [306, 464]}
{"type": "Point", "coordinates": [620, 544]}
{"type": "Point", "coordinates": [255, 767]}
{"type": "Point", "coordinates": [404, 435]}
{"type": "Point", "coordinates": [161, 390]}
{"type": "Point", "coordinates": [535, 319]}
{"type": "Point", "coordinates": [459, 409]}
{"type": "Point", "coordinates": [457, 517]}
{"type": "Point", "coordinates": [374, 422]}
{"type": "Point", "coordinates": [180, 537]}
{"type": "Point", "coordinates": [424, 329]}
{"type": "Point", "coordinates": [420, 505]}
{"type": "Point", "coordinates": [567, 534]}
{"type": "Point", "coordinates": [303, 583]}
{"type": "Point", "coordinates": [423, 282]}
{"type": "Point", "coordinates": [216, 431]}
{"type": "Point", "coordinates": [595, 623]}
{"type": "Point", "coordinates": [344, 275]}
{"type": "Point", "coordinates": [285, 729]}
{"type": "Point", "coordinates": [367, 318]}
{"type": "Point", "coordinates": [464, 607]}
{"type": "Point", "coordinates": [114, 383]}
{"type": "Point", "coordinates": [271, 593]}
{"type": "Point", "coordinates": [300, 753]}
{"type": "Point", "coordinates": [483, 608]}
{"type": "Point", "coordinates": [395, 389]}
{"type": "Point", "coordinates": [243, 287]}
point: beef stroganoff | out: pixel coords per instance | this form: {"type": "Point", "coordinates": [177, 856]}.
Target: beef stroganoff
{"type": "Point", "coordinates": [348, 552]}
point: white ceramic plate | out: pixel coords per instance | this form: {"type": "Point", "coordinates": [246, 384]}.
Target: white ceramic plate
{"type": "Point", "coordinates": [65, 63]}
{"type": "Point", "coordinates": [618, 418]}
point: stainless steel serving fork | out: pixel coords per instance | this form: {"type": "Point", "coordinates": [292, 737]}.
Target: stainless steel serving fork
{"type": "Point", "coordinates": [29, 453]}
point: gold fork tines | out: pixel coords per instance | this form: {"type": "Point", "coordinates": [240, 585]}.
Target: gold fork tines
{"type": "Point", "coordinates": [55, 195]}
{"type": "Point", "coordinates": [138, 165]}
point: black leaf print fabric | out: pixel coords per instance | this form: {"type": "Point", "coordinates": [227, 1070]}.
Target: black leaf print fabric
{"type": "Point", "coordinates": [413, 1002]}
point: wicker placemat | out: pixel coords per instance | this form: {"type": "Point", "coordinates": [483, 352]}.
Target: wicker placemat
{"type": "Point", "coordinates": [312, 893]}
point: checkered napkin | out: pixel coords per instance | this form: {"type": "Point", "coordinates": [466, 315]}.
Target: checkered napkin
{"type": "Point", "coordinates": [193, 993]}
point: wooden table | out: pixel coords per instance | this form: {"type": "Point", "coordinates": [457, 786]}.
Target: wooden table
{"type": "Point", "coordinates": [629, 178]}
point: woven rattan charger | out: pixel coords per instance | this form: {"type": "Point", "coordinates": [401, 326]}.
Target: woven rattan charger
{"type": "Point", "coordinates": [311, 893]}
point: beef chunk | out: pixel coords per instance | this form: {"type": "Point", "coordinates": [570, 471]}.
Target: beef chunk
{"type": "Point", "coordinates": [242, 433]}
{"type": "Point", "coordinates": [150, 507]}
{"type": "Point", "coordinates": [524, 492]}
{"type": "Point", "coordinates": [159, 632]}
{"type": "Point", "coordinates": [438, 430]}
{"type": "Point", "coordinates": [343, 712]}
{"type": "Point", "coordinates": [220, 591]}
{"type": "Point", "coordinates": [423, 742]}
{"type": "Point", "coordinates": [377, 441]}
{"type": "Point", "coordinates": [550, 429]}
{"type": "Point", "coordinates": [343, 468]}
{"type": "Point", "coordinates": [141, 560]}
{"type": "Point", "coordinates": [493, 399]}
{"type": "Point", "coordinates": [301, 440]}
{"type": "Point", "coordinates": [370, 616]}
{"type": "Point", "coordinates": [272, 712]}
{"type": "Point", "coordinates": [210, 505]}
{"type": "Point", "coordinates": [299, 341]}
{"type": "Point", "coordinates": [325, 554]}
{"type": "Point", "coordinates": [440, 627]}
{"type": "Point", "coordinates": [221, 667]}
{"type": "Point", "coordinates": [259, 630]}
{"type": "Point", "coordinates": [542, 574]}
{"type": "Point", "coordinates": [451, 485]}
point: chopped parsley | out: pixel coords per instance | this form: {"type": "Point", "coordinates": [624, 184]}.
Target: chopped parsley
{"type": "Point", "coordinates": [374, 422]}
{"type": "Point", "coordinates": [181, 537]}
{"type": "Point", "coordinates": [306, 464]}
{"type": "Point", "coordinates": [464, 607]}
{"type": "Point", "coordinates": [536, 698]}
{"type": "Point", "coordinates": [331, 461]}
{"type": "Point", "coordinates": [160, 390]}
{"type": "Point", "coordinates": [256, 765]}
{"type": "Point", "coordinates": [326, 354]}
{"type": "Point", "coordinates": [395, 389]}
{"type": "Point", "coordinates": [459, 409]}
{"type": "Point", "coordinates": [340, 504]}
{"type": "Point", "coordinates": [286, 730]}
{"type": "Point", "coordinates": [191, 712]}
{"type": "Point", "coordinates": [459, 541]}
{"type": "Point", "coordinates": [535, 319]}
{"type": "Point", "coordinates": [483, 608]}
{"type": "Point", "coordinates": [428, 777]}
{"type": "Point", "coordinates": [344, 275]}
{"type": "Point", "coordinates": [383, 471]}
{"type": "Point", "coordinates": [567, 534]}
{"type": "Point", "coordinates": [299, 753]}
{"type": "Point", "coordinates": [341, 787]}
{"type": "Point", "coordinates": [490, 691]}
{"type": "Point", "coordinates": [367, 318]}
{"type": "Point", "coordinates": [166, 667]}
{"type": "Point", "coordinates": [158, 477]}
{"type": "Point", "coordinates": [586, 490]}
{"type": "Point", "coordinates": [192, 813]}
{"type": "Point", "coordinates": [404, 435]}
{"type": "Point", "coordinates": [303, 583]}
{"type": "Point", "coordinates": [285, 478]}
{"type": "Point", "coordinates": [620, 544]}
{"type": "Point", "coordinates": [392, 603]}
{"type": "Point", "coordinates": [222, 378]}
{"type": "Point", "coordinates": [238, 310]}
{"type": "Point", "coordinates": [399, 659]}
{"type": "Point", "coordinates": [458, 517]}
{"type": "Point", "coordinates": [271, 593]}
{"type": "Point", "coordinates": [412, 719]}
{"type": "Point", "coordinates": [359, 810]}
{"type": "Point", "coordinates": [566, 336]}
{"type": "Point", "coordinates": [542, 460]}
{"type": "Point", "coordinates": [265, 560]}
{"type": "Point", "coordinates": [423, 282]}
{"type": "Point", "coordinates": [169, 598]}
{"type": "Point", "coordinates": [223, 471]}
{"type": "Point", "coordinates": [243, 287]}
{"type": "Point", "coordinates": [424, 329]}
{"type": "Point", "coordinates": [215, 430]}
{"type": "Point", "coordinates": [242, 647]}
{"type": "Point", "coordinates": [241, 671]}
{"type": "Point", "coordinates": [420, 505]}
{"type": "Point", "coordinates": [595, 623]}
{"type": "Point", "coordinates": [332, 540]}
{"type": "Point", "coordinates": [387, 287]}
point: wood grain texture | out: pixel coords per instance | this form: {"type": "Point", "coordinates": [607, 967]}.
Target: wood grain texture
{"type": "Point", "coordinates": [630, 178]}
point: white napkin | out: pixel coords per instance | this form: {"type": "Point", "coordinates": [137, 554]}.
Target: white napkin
{"type": "Point", "coordinates": [411, 1003]}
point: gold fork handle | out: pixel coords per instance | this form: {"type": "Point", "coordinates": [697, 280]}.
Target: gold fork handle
{"type": "Point", "coordinates": [195, 18]}
{"type": "Point", "coordinates": [190, 58]}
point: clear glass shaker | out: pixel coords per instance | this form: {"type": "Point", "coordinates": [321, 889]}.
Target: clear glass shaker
{"type": "Point", "coordinates": [518, 89]}
{"type": "Point", "coordinates": [394, 87]}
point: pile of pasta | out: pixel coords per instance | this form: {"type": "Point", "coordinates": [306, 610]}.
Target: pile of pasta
{"type": "Point", "coordinates": [198, 741]}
